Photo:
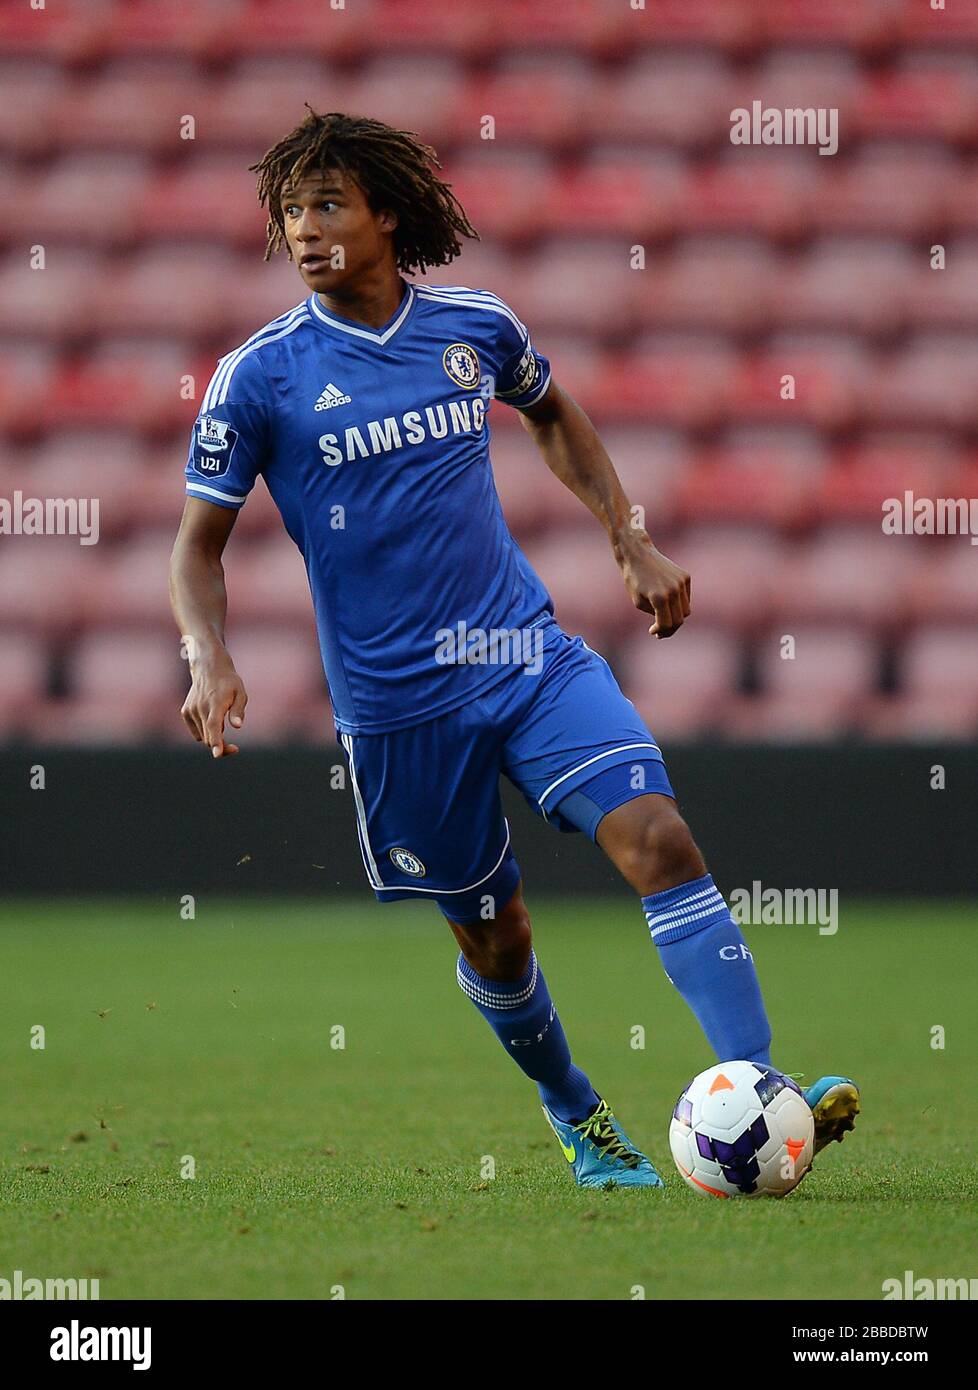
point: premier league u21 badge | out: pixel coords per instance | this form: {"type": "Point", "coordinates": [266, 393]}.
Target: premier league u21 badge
{"type": "Point", "coordinates": [462, 365]}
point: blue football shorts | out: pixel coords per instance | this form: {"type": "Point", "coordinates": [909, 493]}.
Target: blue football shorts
{"type": "Point", "coordinates": [429, 814]}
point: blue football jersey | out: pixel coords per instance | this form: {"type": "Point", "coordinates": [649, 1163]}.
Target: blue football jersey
{"type": "Point", "coordinates": [374, 445]}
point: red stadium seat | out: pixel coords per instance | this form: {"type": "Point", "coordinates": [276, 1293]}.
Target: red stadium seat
{"type": "Point", "coordinates": [846, 575]}
{"type": "Point", "coordinates": [937, 100]}
{"type": "Point", "coordinates": [132, 584]}
{"type": "Point", "coordinates": [127, 665]}
{"type": "Point", "coordinates": [126, 384]}
{"type": "Point", "coordinates": [826, 22]}
{"type": "Point", "coordinates": [413, 93]}
{"type": "Point", "coordinates": [757, 190]}
{"type": "Point", "coordinates": [651, 464]}
{"type": "Point", "coordinates": [615, 191]}
{"type": "Point", "coordinates": [28, 371]}
{"type": "Point", "coordinates": [280, 666]}
{"type": "Point", "coordinates": [43, 580]}
{"type": "Point", "coordinates": [724, 486]}
{"type": "Point", "coordinates": [261, 291]}
{"type": "Point", "coordinates": [191, 27]}
{"type": "Point", "coordinates": [938, 673]}
{"type": "Point", "coordinates": [29, 93]}
{"type": "Point", "coordinates": [791, 78]}
{"type": "Point", "coordinates": [268, 580]}
{"type": "Point", "coordinates": [95, 194]}
{"type": "Point", "coordinates": [23, 673]}
{"type": "Point", "coordinates": [585, 25]}
{"type": "Point", "coordinates": [944, 583]}
{"type": "Point", "coordinates": [203, 198]}
{"type": "Point", "coordinates": [263, 98]}
{"type": "Point", "coordinates": [884, 465]}
{"type": "Point", "coordinates": [306, 27]}
{"type": "Point", "coordinates": [436, 26]}
{"type": "Point", "coordinates": [680, 686]}
{"type": "Point", "coordinates": [937, 659]}
{"type": "Point", "coordinates": [578, 568]}
{"type": "Point", "coordinates": [842, 283]}
{"type": "Point", "coordinates": [102, 464]}
{"type": "Point", "coordinates": [930, 382]}
{"type": "Point", "coordinates": [505, 192]}
{"type": "Point", "coordinates": [734, 572]}
{"type": "Point", "coordinates": [820, 694]}
{"type": "Point", "coordinates": [709, 282]}
{"type": "Point", "coordinates": [101, 720]}
{"type": "Point", "coordinates": [482, 267]}
{"type": "Point", "coordinates": [164, 289]}
{"type": "Point", "coordinates": [532, 99]}
{"type": "Point", "coordinates": [893, 189]}
{"type": "Point", "coordinates": [673, 379]}
{"type": "Point", "coordinates": [956, 24]}
{"type": "Point", "coordinates": [962, 199]}
{"type": "Point", "coordinates": [131, 105]}
{"type": "Point", "coordinates": [52, 302]}
{"type": "Point", "coordinates": [831, 376]}
{"type": "Point", "coordinates": [60, 33]}
{"type": "Point", "coordinates": [580, 286]}
{"type": "Point", "coordinates": [665, 99]}
{"type": "Point", "coordinates": [947, 298]}
{"type": "Point", "coordinates": [727, 25]}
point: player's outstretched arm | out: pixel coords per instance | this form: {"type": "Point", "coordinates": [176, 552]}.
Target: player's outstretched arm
{"type": "Point", "coordinates": [199, 601]}
{"type": "Point", "coordinates": [573, 451]}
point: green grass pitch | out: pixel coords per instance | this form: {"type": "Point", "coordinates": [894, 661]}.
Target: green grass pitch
{"type": "Point", "coordinates": [362, 1166]}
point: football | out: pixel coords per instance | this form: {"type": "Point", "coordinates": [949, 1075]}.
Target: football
{"type": "Point", "coordinates": [740, 1129]}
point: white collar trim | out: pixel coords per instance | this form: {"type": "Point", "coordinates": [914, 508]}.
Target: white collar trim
{"type": "Point", "coordinates": [388, 333]}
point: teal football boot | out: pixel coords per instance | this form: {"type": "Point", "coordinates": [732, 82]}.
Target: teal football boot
{"type": "Point", "coordinates": [600, 1152]}
{"type": "Point", "coordinates": [835, 1105]}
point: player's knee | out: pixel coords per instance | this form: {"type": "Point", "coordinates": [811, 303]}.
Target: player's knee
{"type": "Point", "coordinates": [500, 948]}
{"type": "Point", "coordinates": [663, 853]}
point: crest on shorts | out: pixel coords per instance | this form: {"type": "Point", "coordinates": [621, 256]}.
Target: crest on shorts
{"type": "Point", "coordinates": [407, 862]}
{"type": "Point", "coordinates": [462, 365]}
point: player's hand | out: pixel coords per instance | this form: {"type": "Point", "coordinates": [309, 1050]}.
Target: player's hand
{"type": "Point", "coordinates": [657, 586]}
{"type": "Point", "coordinates": [216, 694]}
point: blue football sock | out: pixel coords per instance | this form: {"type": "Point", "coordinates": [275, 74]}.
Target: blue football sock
{"type": "Point", "coordinates": [706, 958]}
{"type": "Point", "coordinates": [523, 1017]}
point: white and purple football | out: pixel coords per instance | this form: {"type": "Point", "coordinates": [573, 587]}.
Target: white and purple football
{"type": "Point", "coordinates": [741, 1129]}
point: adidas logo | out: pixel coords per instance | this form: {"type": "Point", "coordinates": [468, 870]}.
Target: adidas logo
{"type": "Point", "coordinates": [332, 396]}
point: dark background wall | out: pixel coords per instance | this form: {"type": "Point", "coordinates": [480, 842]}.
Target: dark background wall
{"type": "Point", "coordinates": [860, 819]}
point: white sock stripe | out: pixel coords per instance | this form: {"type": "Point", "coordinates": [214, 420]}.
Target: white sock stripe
{"type": "Point", "coordinates": [682, 904]}
{"type": "Point", "coordinates": [693, 917]}
{"type": "Point", "coordinates": [690, 915]}
{"type": "Point", "coordinates": [481, 991]}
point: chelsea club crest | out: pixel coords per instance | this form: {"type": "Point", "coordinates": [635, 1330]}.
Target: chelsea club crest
{"type": "Point", "coordinates": [462, 365]}
{"type": "Point", "coordinates": [407, 862]}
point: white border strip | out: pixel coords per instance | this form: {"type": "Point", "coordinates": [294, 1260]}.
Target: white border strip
{"type": "Point", "coordinates": [321, 314]}
{"type": "Point", "coordinates": [213, 492]}
{"type": "Point", "coordinates": [217, 389]}
{"type": "Point", "coordinates": [369, 863]}
{"type": "Point", "coordinates": [622, 748]}
{"type": "Point", "coordinates": [445, 892]}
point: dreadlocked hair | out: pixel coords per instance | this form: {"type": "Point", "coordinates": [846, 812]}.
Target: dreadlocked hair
{"type": "Point", "coordinates": [392, 167]}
